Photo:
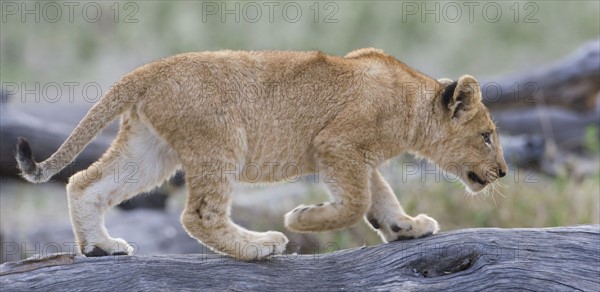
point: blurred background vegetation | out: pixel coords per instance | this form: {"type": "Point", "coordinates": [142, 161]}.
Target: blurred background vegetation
{"type": "Point", "coordinates": [524, 35]}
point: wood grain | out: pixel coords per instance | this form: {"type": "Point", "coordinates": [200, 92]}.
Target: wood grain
{"type": "Point", "coordinates": [547, 259]}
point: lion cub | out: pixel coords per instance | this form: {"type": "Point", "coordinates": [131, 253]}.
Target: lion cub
{"type": "Point", "coordinates": [214, 113]}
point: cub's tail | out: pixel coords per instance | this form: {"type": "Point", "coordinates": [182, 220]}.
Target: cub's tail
{"type": "Point", "coordinates": [116, 101]}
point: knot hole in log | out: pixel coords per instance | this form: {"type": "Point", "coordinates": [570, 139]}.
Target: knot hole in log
{"type": "Point", "coordinates": [444, 262]}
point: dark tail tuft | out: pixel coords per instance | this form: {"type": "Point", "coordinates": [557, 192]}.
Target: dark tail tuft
{"type": "Point", "coordinates": [25, 157]}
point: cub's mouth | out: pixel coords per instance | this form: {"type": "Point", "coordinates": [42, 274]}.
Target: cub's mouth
{"type": "Point", "coordinates": [475, 178]}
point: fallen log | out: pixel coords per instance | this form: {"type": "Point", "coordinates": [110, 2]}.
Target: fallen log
{"type": "Point", "coordinates": [46, 137]}
{"type": "Point", "coordinates": [566, 129]}
{"type": "Point", "coordinates": [546, 259]}
{"type": "Point", "coordinates": [571, 83]}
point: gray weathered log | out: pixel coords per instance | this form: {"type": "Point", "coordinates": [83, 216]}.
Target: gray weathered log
{"type": "Point", "coordinates": [46, 137]}
{"type": "Point", "coordinates": [547, 259]}
{"type": "Point", "coordinates": [567, 129]}
{"type": "Point", "coordinates": [572, 83]}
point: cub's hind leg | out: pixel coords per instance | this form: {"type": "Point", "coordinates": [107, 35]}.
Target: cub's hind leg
{"type": "Point", "coordinates": [207, 215]}
{"type": "Point", "coordinates": [388, 218]}
{"type": "Point", "coordinates": [137, 161]}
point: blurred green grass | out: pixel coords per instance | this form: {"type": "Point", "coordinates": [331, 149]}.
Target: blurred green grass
{"type": "Point", "coordinates": [104, 50]}
{"type": "Point", "coordinates": [525, 199]}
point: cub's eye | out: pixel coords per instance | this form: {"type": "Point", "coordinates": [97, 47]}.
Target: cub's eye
{"type": "Point", "coordinates": [486, 138]}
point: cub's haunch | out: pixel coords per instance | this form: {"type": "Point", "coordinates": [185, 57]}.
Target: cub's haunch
{"type": "Point", "coordinates": [213, 113]}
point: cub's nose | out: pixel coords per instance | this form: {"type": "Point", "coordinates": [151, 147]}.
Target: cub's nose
{"type": "Point", "coordinates": [501, 173]}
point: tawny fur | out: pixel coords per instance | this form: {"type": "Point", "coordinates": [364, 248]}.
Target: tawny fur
{"type": "Point", "coordinates": [233, 116]}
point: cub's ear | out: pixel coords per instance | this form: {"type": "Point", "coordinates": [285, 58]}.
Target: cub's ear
{"type": "Point", "coordinates": [459, 97]}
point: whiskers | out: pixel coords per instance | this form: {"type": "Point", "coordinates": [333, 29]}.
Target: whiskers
{"type": "Point", "coordinates": [489, 191]}
{"type": "Point", "coordinates": [492, 189]}
{"type": "Point", "coordinates": [500, 184]}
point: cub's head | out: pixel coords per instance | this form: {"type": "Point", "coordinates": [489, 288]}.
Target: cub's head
{"type": "Point", "coordinates": [467, 143]}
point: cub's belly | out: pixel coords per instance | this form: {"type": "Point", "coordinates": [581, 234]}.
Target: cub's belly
{"type": "Point", "coordinates": [273, 154]}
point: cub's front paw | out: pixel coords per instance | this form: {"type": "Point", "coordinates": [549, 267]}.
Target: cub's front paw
{"type": "Point", "coordinates": [405, 227]}
{"type": "Point", "coordinates": [113, 246]}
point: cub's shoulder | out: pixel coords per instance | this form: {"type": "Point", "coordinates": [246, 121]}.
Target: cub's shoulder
{"type": "Point", "coordinates": [366, 52]}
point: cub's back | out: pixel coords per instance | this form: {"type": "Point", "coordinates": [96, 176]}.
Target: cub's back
{"type": "Point", "coordinates": [272, 103]}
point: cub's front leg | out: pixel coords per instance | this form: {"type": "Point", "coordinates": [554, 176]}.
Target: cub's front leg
{"type": "Point", "coordinates": [387, 217]}
{"type": "Point", "coordinates": [346, 177]}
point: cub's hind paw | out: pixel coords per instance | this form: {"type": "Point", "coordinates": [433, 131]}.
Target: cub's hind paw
{"type": "Point", "coordinates": [405, 228]}
{"type": "Point", "coordinates": [96, 252]}
{"type": "Point", "coordinates": [263, 246]}
{"type": "Point", "coordinates": [114, 247]}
